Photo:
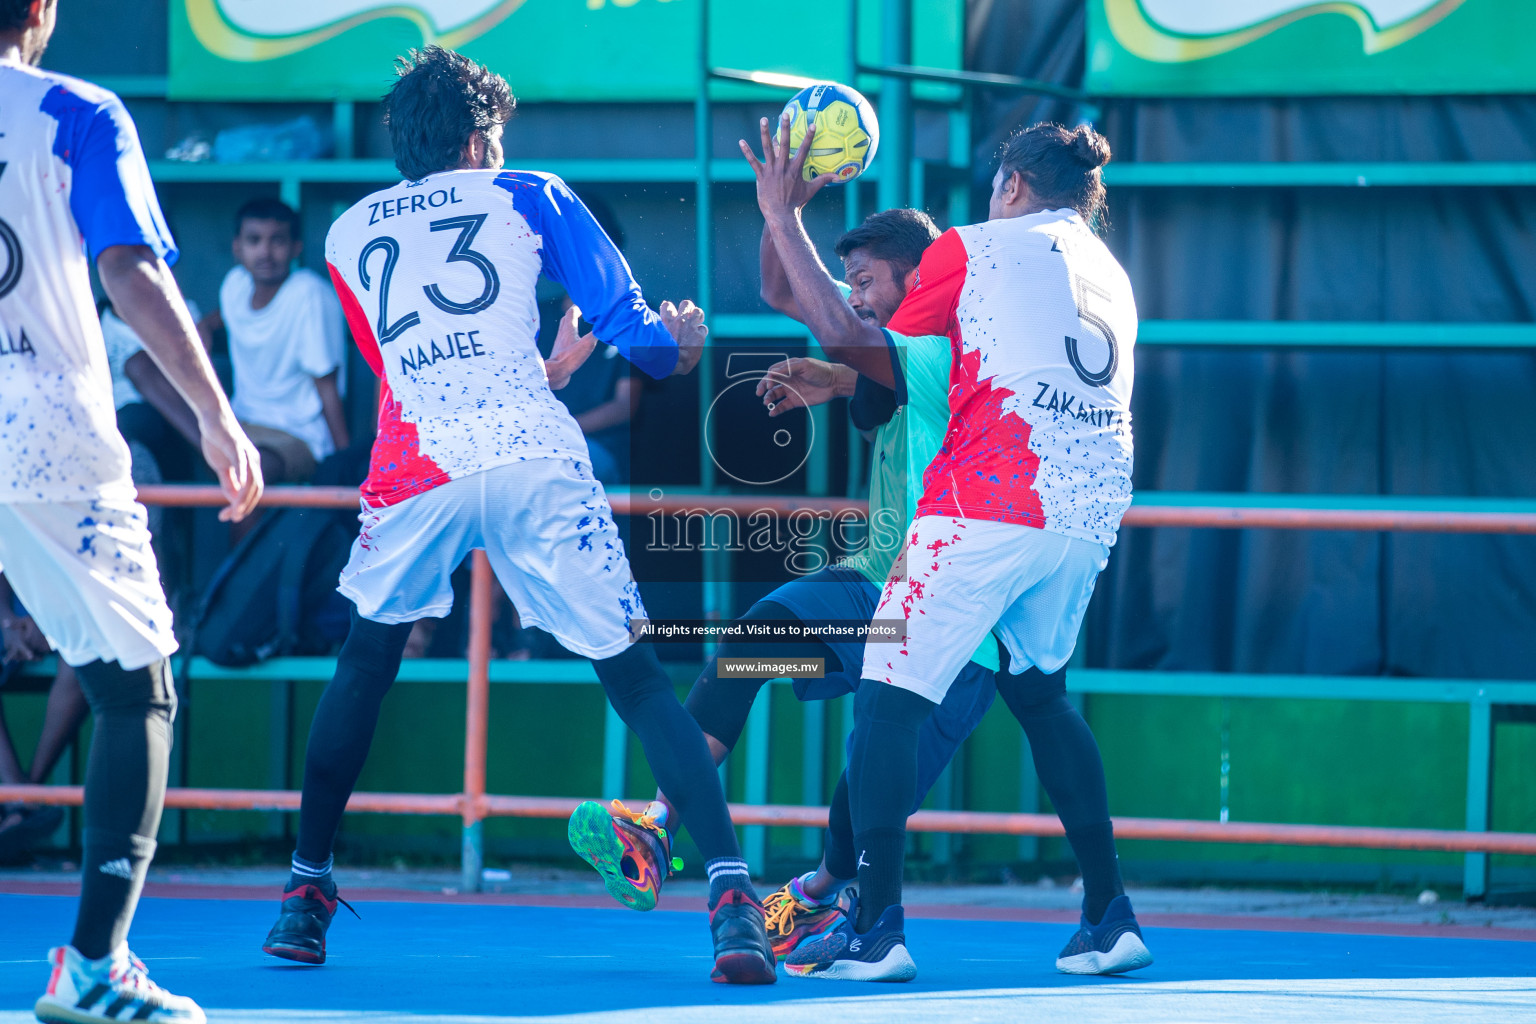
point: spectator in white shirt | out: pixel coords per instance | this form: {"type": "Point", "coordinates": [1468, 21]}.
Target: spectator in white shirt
{"type": "Point", "coordinates": [286, 345]}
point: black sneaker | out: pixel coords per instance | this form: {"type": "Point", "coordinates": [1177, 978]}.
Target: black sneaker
{"type": "Point", "coordinates": [743, 955]}
{"type": "Point", "coordinates": [299, 933]}
{"type": "Point", "coordinates": [844, 954]}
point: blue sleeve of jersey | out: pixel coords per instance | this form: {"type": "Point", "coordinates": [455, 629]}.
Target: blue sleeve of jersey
{"type": "Point", "coordinates": [579, 255]}
{"type": "Point", "coordinates": [111, 194]}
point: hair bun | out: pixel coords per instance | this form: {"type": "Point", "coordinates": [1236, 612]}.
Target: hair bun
{"type": "Point", "coordinates": [1089, 147]}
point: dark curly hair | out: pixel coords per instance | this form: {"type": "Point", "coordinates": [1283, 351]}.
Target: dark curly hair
{"type": "Point", "coordinates": [1061, 167]}
{"type": "Point", "coordinates": [440, 99]}
{"type": "Point", "coordinates": [13, 14]}
{"type": "Point", "coordinates": [897, 236]}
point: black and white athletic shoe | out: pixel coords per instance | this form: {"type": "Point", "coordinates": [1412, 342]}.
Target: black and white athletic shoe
{"type": "Point", "coordinates": [844, 954]}
{"type": "Point", "coordinates": [1113, 946]}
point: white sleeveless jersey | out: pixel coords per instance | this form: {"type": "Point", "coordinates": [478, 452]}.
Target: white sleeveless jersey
{"type": "Point", "coordinates": [437, 280]}
{"type": "Point", "coordinates": [1042, 324]}
{"type": "Point", "coordinates": [72, 182]}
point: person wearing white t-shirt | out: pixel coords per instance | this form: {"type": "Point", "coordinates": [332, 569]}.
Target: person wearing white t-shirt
{"type": "Point", "coordinates": [286, 345]}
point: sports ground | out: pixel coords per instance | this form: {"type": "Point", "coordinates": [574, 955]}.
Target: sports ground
{"type": "Point", "coordinates": [554, 950]}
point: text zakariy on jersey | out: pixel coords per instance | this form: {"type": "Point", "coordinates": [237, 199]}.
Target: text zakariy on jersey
{"type": "Point", "coordinates": [387, 208]}
{"type": "Point", "coordinates": [458, 345]}
{"type": "Point", "coordinates": [1077, 408]}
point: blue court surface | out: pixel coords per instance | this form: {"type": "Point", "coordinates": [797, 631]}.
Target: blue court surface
{"type": "Point", "coordinates": [488, 964]}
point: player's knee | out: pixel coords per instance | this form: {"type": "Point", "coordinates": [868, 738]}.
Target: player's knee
{"type": "Point", "coordinates": [1033, 693]}
{"type": "Point", "coordinates": [112, 690]}
{"type": "Point", "coordinates": [633, 677]}
{"type": "Point", "coordinates": [882, 704]}
{"type": "Point", "coordinates": [372, 650]}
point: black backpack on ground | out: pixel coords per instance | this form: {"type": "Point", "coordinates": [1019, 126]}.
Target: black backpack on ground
{"type": "Point", "coordinates": [276, 592]}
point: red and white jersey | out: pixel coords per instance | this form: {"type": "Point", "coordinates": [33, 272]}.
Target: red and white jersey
{"type": "Point", "coordinates": [1043, 328]}
{"type": "Point", "coordinates": [437, 281]}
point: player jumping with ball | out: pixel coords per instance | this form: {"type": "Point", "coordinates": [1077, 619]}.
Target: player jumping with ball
{"type": "Point", "coordinates": [436, 275]}
{"type": "Point", "coordinates": [1018, 512]}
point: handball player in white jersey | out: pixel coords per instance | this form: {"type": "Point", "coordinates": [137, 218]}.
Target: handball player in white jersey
{"type": "Point", "coordinates": [74, 542]}
{"type": "Point", "coordinates": [436, 275]}
{"type": "Point", "coordinates": [1019, 507]}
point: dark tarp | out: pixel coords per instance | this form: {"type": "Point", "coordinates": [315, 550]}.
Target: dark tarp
{"type": "Point", "coordinates": [1439, 423]}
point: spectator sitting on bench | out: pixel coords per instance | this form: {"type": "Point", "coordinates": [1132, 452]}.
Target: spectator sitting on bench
{"type": "Point", "coordinates": [151, 413]}
{"type": "Point", "coordinates": [24, 826]}
{"type": "Point", "coordinates": [286, 345]}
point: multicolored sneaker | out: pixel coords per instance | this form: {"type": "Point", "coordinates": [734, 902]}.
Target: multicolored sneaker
{"type": "Point", "coordinates": [794, 917]}
{"type": "Point", "coordinates": [743, 955]}
{"type": "Point", "coordinates": [632, 851]}
{"type": "Point", "coordinates": [1113, 946]}
{"type": "Point", "coordinates": [302, 921]}
{"type": "Point", "coordinates": [843, 954]}
{"type": "Point", "coordinates": [116, 987]}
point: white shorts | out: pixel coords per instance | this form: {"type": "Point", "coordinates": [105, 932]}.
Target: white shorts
{"type": "Point", "coordinates": [87, 574]}
{"type": "Point", "coordinates": [550, 536]}
{"type": "Point", "coordinates": [964, 577]}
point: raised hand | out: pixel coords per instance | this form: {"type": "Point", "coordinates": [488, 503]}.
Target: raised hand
{"type": "Point", "coordinates": [800, 383]}
{"type": "Point", "coordinates": [782, 186]}
{"type": "Point", "coordinates": [686, 325]}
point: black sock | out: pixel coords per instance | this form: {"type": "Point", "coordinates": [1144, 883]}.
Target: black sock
{"type": "Point", "coordinates": [840, 854]}
{"type": "Point", "coordinates": [342, 730]}
{"type": "Point", "coordinates": [1094, 846]}
{"type": "Point", "coordinates": [318, 874]}
{"type": "Point", "coordinates": [725, 874]}
{"type": "Point", "coordinates": [882, 857]}
{"type": "Point", "coordinates": [674, 746]}
{"type": "Point", "coordinates": [124, 795]}
{"type": "Point", "coordinates": [1071, 771]}
{"type": "Point", "coordinates": [882, 782]}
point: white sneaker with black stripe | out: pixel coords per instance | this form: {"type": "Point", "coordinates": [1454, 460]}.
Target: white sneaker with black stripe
{"type": "Point", "coordinates": [116, 987]}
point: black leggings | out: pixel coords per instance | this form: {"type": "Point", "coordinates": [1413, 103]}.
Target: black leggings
{"type": "Point", "coordinates": [124, 795]}
{"type": "Point", "coordinates": [342, 731]}
{"type": "Point", "coordinates": [348, 714]}
{"type": "Point", "coordinates": [721, 706]}
{"type": "Point", "coordinates": [674, 746]}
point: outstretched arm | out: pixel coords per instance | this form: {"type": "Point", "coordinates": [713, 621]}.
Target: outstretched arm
{"type": "Point", "coordinates": [843, 334]}
{"type": "Point", "coordinates": [775, 289]}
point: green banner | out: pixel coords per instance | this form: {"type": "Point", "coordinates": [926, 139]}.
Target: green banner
{"type": "Point", "coordinates": [1298, 47]}
{"type": "Point", "coordinates": [552, 50]}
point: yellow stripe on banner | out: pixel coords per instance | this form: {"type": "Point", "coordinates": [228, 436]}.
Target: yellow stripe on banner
{"type": "Point", "coordinates": [221, 38]}
{"type": "Point", "coordinates": [1139, 35]}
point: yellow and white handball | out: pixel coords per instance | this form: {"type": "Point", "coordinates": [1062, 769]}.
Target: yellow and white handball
{"type": "Point", "coordinates": [847, 133]}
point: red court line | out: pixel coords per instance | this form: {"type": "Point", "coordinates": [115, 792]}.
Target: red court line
{"type": "Point", "coordinates": [930, 911]}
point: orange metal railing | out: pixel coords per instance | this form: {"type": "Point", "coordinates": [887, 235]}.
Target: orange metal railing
{"type": "Point", "coordinates": [473, 804]}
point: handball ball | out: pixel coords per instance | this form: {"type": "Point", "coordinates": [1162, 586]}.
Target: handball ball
{"type": "Point", "coordinates": [846, 131]}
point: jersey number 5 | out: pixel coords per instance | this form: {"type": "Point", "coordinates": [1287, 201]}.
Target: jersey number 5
{"type": "Point", "coordinates": [1083, 290]}
{"type": "Point", "coordinates": [467, 227]}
